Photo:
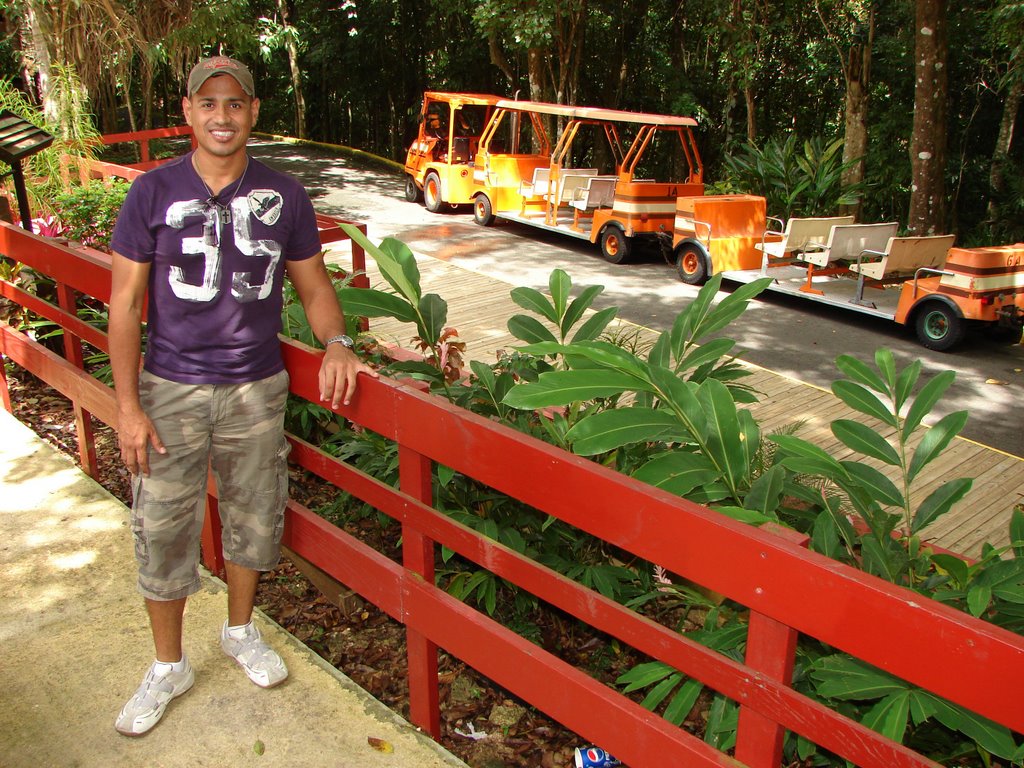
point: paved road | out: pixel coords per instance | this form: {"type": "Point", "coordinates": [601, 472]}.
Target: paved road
{"type": "Point", "coordinates": [794, 337]}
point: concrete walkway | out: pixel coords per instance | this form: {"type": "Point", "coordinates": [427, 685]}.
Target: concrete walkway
{"type": "Point", "coordinates": [74, 643]}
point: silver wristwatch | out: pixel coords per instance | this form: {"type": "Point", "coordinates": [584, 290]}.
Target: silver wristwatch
{"type": "Point", "coordinates": [341, 338]}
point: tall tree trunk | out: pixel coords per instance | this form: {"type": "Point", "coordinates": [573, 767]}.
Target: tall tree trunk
{"type": "Point", "coordinates": [1001, 153]}
{"type": "Point", "coordinates": [857, 73]}
{"type": "Point", "coordinates": [288, 13]}
{"type": "Point", "coordinates": [37, 65]}
{"type": "Point", "coordinates": [928, 140]}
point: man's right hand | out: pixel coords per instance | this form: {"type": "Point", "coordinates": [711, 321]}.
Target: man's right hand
{"type": "Point", "coordinates": [137, 434]}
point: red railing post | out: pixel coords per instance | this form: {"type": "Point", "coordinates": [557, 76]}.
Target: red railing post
{"type": "Point", "coordinates": [415, 477]}
{"type": "Point", "coordinates": [67, 300]}
{"type": "Point", "coordinates": [771, 650]}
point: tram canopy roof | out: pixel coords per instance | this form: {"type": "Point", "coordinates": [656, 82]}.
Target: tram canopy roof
{"type": "Point", "coordinates": [596, 113]}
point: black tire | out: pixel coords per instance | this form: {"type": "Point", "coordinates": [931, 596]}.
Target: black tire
{"type": "Point", "coordinates": [483, 214]}
{"type": "Point", "coordinates": [938, 326]}
{"type": "Point", "coordinates": [615, 246]}
{"type": "Point", "coordinates": [691, 264]}
{"type": "Point", "coordinates": [412, 192]}
{"type": "Point", "coordinates": [432, 193]}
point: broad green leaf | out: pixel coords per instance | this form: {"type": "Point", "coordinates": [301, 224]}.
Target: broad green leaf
{"type": "Point", "coordinates": [578, 306]}
{"type": "Point", "coordinates": [990, 736]}
{"type": "Point", "coordinates": [661, 353]}
{"type": "Point", "coordinates": [846, 678]}
{"type": "Point", "coordinates": [939, 502]}
{"type": "Point", "coordinates": [886, 366]}
{"type": "Point", "coordinates": [863, 439]}
{"type": "Point", "coordinates": [434, 311]}
{"type": "Point", "coordinates": [857, 370]}
{"type": "Point", "coordinates": [978, 598]}
{"type": "Point", "coordinates": [395, 260]}
{"type": "Point", "coordinates": [905, 383]}
{"type": "Point", "coordinates": [954, 566]}
{"type": "Point", "coordinates": [705, 353]}
{"type": "Point", "coordinates": [484, 373]}
{"type": "Point", "coordinates": [1006, 577]}
{"type": "Point", "coordinates": [534, 301]}
{"type": "Point", "coordinates": [559, 285]}
{"type": "Point", "coordinates": [687, 321]}
{"type": "Point", "coordinates": [643, 675]}
{"type": "Point", "coordinates": [658, 693]}
{"type": "Point", "coordinates": [595, 325]}
{"type": "Point", "coordinates": [889, 716]}
{"type": "Point", "coordinates": [766, 491]}
{"type": "Point", "coordinates": [877, 485]}
{"type": "Point", "coordinates": [885, 562]}
{"type": "Point", "coordinates": [926, 399]}
{"type": "Point", "coordinates": [825, 535]}
{"type": "Point", "coordinates": [678, 471]}
{"type": "Point", "coordinates": [530, 329]}
{"type": "Point", "coordinates": [750, 434]}
{"type": "Point", "coordinates": [722, 720]}
{"type": "Point", "coordinates": [724, 441]}
{"type": "Point", "coordinates": [730, 308]}
{"type": "Point", "coordinates": [564, 387]}
{"type": "Point", "coordinates": [368, 302]}
{"type": "Point", "coordinates": [935, 441]}
{"type": "Point", "coordinates": [862, 399]}
{"type": "Point", "coordinates": [681, 398]}
{"type": "Point", "coordinates": [807, 465]}
{"type": "Point", "coordinates": [796, 446]}
{"type": "Point", "coordinates": [607, 430]}
{"type": "Point", "coordinates": [682, 703]}
{"type": "Point", "coordinates": [1017, 531]}
{"type": "Point", "coordinates": [922, 706]}
{"type": "Point", "coordinates": [543, 348]}
{"type": "Point", "coordinates": [744, 515]}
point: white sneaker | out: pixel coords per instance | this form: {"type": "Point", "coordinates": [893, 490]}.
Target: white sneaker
{"type": "Point", "coordinates": [261, 662]}
{"type": "Point", "coordinates": [145, 708]}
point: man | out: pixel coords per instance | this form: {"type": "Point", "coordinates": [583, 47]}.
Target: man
{"type": "Point", "coordinates": [209, 237]}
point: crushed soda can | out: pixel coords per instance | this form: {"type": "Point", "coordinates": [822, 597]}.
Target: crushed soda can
{"type": "Point", "coordinates": [594, 757]}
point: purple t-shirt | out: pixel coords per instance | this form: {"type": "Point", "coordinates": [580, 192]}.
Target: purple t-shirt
{"type": "Point", "coordinates": [217, 268]}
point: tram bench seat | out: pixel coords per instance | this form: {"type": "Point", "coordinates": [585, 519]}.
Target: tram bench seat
{"type": "Point", "coordinates": [569, 180]}
{"type": "Point", "coordinates": [540, 184]}
{"type": "Point", "coordinates": [599, 192]}
{"type": "Point", "coordinates": [900, 260]}
{"type": "Point", "coordinates": [845, 243]}
{"type": "Point", "coordinates": [796, 235]}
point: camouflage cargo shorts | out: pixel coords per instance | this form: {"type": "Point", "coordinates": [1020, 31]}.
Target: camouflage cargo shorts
{"type": "Point", "coordinates": [237, 430]}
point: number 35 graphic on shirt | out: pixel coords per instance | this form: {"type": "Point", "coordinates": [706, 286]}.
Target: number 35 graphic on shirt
{"type": "Point", "coordinates": [265, 205]}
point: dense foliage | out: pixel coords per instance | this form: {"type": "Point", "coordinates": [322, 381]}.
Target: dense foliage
{"type": "Point", "coordinates": [671, 413]}
{"type": "Point", "coordinates": [751, 72]}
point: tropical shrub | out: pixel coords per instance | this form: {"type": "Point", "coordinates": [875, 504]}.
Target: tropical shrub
{"type": "Point", "coordinates": [795, 180]}
{"type": "Point", "coordinates": [89, 211]}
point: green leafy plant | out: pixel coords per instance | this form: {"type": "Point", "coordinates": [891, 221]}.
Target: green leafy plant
{"type": "Point", "coordinates": [684, 399]}
{"type": "Point", "coordinates": [892, 546]}
{"type": "Point", "coordinates": [89, 211]}
{"type": "Point", "coordinates": [795, 180]}
{"type": "Point", "coordinates": [406, 303]}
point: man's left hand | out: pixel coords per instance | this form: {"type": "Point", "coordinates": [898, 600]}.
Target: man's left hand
{"type": "Point", "coordinates": [338, 373]}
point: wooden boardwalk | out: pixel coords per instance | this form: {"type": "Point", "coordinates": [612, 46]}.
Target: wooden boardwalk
{"type": "Point", "coordinates": [479, 306]}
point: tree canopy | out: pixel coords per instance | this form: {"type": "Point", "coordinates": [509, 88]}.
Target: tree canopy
{"type": "Point", "coordinates": [931, 144]}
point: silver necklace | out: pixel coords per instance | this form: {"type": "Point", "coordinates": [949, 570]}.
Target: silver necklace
{"type": "Point", "coordinates": [223, 209]}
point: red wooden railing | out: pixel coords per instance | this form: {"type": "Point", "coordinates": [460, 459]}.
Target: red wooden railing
{"type": "Point", "coordinates": [142, 138]}
{"type": "Point", "coordinates": [788, 589]}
